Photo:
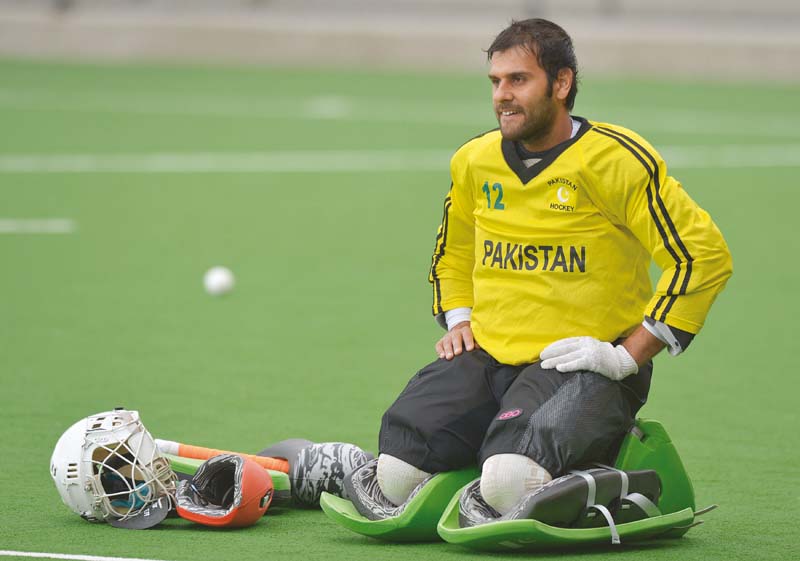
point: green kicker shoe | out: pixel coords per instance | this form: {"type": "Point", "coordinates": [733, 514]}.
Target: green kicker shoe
{"type": "Point", "coordinates": [647, 447]}
{"type": "Point", "coordinates": [187, 467]}
{"type": "Point", "coordinates": [416, 519]}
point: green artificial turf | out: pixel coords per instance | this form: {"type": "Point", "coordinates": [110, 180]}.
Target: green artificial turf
{"type": "Point", "coordinates": [330, 315]}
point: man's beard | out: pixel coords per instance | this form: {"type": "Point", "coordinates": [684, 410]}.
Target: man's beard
{"type": "Point", "coordinates": [536, 126]}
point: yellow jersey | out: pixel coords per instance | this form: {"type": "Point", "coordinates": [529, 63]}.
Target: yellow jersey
{"type": "Point", "coordinates": [563, 248]}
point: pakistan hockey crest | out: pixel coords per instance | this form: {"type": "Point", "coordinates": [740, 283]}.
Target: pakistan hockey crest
{"type": "Point", "coordinates": [563, 194]}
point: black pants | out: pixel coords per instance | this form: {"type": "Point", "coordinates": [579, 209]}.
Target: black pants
{"type": "Point", "coordinates": [457, 413]}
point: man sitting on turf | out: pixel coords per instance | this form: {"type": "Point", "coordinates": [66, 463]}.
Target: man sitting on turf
{"type": "Point", "coordinates": [540, 273]}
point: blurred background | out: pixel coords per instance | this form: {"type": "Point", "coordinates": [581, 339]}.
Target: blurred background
{"type": "Point", "coordinates": [710, 39]}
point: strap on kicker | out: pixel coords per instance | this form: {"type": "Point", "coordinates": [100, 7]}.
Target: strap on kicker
{"type": "Point", "coordinates": [623, 492]}
{"type": "Point", "coordinates": [591, 497]}
{"type": "Point", "coordinates": [647, 506]}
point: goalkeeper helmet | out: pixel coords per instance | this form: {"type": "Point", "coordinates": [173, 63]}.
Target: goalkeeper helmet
{"type": "Point", "coordinates": [107, 468]}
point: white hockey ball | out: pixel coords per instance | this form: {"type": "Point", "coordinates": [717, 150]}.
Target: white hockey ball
{"type": "Point", "coordinates": [218, 280]}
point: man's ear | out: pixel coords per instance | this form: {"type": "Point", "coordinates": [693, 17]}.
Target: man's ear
{"type": "Point", "coordinates": [563, 83]}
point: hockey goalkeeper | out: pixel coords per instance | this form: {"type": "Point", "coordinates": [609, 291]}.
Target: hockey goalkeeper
{"type": "Point", "coordinates": [540, 274]}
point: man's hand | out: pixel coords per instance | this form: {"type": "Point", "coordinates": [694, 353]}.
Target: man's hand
{"type": "Point", "coordinates": [456, 341]}
{"type": "Point", "coordinates": [587, 353]}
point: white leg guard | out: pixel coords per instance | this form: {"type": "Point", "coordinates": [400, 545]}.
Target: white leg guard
{"type": "Point", "coordinates": [506, 478]}
{"type": "Point", "coordinates": [397, 478]}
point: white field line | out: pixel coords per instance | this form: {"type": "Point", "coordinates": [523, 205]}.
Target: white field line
{"type": "Point", "coordinates": [37, 226]}
{"type": "Point", "coordinates": [732, 156]}
{"type": "Point", "coordinates": [735, 124]}
{"type": "Point", "coordinates": [355, 161]}
{"type": "Point", "coordinates": [6, 553]}
{"type": "Point", "coordinates": [404, 110]}
{"type": "Point", "coordinates": [323, 161]}
{"type": "Point", "coordinates": [325, 107]}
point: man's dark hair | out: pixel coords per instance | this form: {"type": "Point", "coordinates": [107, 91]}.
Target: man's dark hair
{"type": "Point", "coordinates": [548, 42]}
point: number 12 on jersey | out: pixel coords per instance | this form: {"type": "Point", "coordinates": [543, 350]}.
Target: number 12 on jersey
{"type": "Point", "coordinates": [498, 201]}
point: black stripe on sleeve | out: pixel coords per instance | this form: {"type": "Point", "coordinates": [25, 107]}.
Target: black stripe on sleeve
{"type": "Point", "coordinates": [657, 307]}
{"type": "Point", "coordinates": [668, 307]}
{"type": "Point", "coordinates": [441, 241]}
{"type": "Point", "coordinates": [651, 185]}
{"type": "Point", "coordinates": [670, 224]}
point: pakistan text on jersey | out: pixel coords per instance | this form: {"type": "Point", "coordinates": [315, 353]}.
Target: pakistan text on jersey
{"type": "Point", "coordinates": [519, 257]}
{"type": "Point", "coordinates": [562, 181]}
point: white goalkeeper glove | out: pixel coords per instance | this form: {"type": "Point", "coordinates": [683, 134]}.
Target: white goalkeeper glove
{"type": "Point", "coordinates": [588, 353]}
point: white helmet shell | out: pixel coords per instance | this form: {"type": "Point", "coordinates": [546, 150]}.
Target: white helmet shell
{"type": "Point", "coordinates": [107, 467]}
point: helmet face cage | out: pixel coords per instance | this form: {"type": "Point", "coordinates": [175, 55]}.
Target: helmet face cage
{"type": "Point", "coordinates": [128, 474]}
{"type": "Point", "coordinates": [124, 472]}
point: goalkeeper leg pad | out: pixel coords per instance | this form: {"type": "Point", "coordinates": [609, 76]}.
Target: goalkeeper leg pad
{"type": "Point", "coordinates": [316, 467]}
{"type": "Point", "coordinates": [323, 467]}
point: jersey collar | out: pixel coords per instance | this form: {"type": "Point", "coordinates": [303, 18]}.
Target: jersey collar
{"type": "Point", "coordinates": [524, 173]}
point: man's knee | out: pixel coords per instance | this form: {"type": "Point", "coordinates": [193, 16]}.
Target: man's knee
{"type": "Point", "coordinates": [397, 479]}
{"type": "Point", "coordinates": [506, 478]}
